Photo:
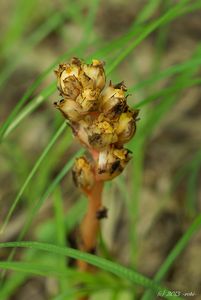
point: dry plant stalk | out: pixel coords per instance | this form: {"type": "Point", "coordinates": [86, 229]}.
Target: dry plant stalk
{"type": "Point", "coordinates": [102, 121]}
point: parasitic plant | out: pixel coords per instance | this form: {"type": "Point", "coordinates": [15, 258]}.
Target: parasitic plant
{"type": "Point", "coordinates": [102, 121]}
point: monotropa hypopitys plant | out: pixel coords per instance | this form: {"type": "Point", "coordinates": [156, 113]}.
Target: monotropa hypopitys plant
{"type": "Point", "coordinates": [103, 122]}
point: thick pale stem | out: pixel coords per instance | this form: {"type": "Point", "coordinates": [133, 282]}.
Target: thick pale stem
{"type": "Point", "coordinates": [90, 225]}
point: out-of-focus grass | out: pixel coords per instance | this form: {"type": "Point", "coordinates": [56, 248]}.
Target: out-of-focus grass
{"type": "Point", "coordinates": [23, 34]}
{"type": "Point", "coordinates": [102, 263]}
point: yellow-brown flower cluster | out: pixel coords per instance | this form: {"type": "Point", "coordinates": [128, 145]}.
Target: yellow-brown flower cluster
{"type": "Point", "coordinates": [99, 117]}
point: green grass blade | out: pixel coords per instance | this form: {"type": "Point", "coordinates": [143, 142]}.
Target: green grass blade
{"type": "Point", "coordinates": [60, 232]}
{"type": "Point", "coordinates": [91, 18]}
{"type": "Point", "coordinates": [59, 217]}
{"type": "Point", "coordinates": [11, 285]}
{"type": "Point", "coordinates": [37, 269]}
{"type": "Point", "coordinates": [101, 263]}
{"type": "Point", "coordinates": [67, 275]}
{"type": "Point", "coordinates": [48, 192]}
{"type": "Point", "coordinates": [31, 174]}
{"type": "Point", "coordinates": [148, 10]}
{"type": "Point", "coordinates": [47, 232]}
{"type": "Point", "coordinates": [168, 91]}
{"type": "Point", "coordinates": [38, 35]}
{"type": "Point", "coordinates": [184, 67]}
{"type": "Point", "coordinates": [43, 198]}
{"type": "Point", "coordinates": [19, 20]}
{"type": "Point", "coordinates": [71, 218]}
{"type": "Point", "coordinates": [166, 18]}
{"type": "Point", "coordinates": [12, 122]}
{"type": "Point", "coordinates": [146, 128]}
{"type": "Point", "coordinates": [179, 247]}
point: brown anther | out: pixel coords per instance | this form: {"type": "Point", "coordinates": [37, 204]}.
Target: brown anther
{"type": "Point", "coordinates": [121, 86]}
{"type": "Point", "coordinates": [102, 213]}
{"type": "Point", "coordinates": [76, 61]}
{"type": "Point", "coordinates": [115, 167]}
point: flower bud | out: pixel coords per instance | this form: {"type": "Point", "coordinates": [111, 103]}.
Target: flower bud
{"type": "Point", "coordinates": [67, 79]}
{"type": "Point", "coordinates": [81, 131]}
{"type": "Point", "coordinates": [126, 126]}
{"type": "Point", "coordinates": [88, 100]}
{"type": "Point", "coordinates": [82, 173]}
{"type": "Point", "coordinates": [101, 134]}
{"type": "Point", "coordinates": [96, 73]}
{"type": "Point", "coordinates": [113, 100]}
{"type": "Point", "coordinates": [111, 163]}
{"type": "Point", "coordinates": [70, 109]}
{"type": "Point", "coordinates": [81, 82]}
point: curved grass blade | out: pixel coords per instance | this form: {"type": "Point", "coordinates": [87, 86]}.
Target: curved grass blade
{"type": "Point", "coordinates": [19, 20]}
{"type": "Point", "coordinates": [171, 14]}
{"type": "Point", "coordinates": [173, 70]}
{"type": "Point", "coordinates": [37, 269]}
{"type": "Point", "coordinates": [31, 174]}
{"type": "Point", "coordinates": [176, 251]}
{"type": "Point", "coordinates": [51, 23]}
{"type": "Point", "coordinates": [168, 91]}
{"type": "Point", "coordinates": [41, 200]}
{"type": "Point", "coordinates": [101, 263]}
{"type": "Point", "coordinates": [11, 285]}
{"type": "Point", "coordinates": [37, 101]}
{"type": "Point", "coordinates": [39, 34]}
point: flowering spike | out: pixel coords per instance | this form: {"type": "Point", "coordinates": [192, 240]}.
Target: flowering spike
{"type": "Point", "coordinates": [102, 121]}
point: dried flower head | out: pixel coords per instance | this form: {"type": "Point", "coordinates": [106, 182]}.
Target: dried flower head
{"type": "Point", "coordinates": [81, 83]}
{"type": "Point", "coordinates": [99, 117]}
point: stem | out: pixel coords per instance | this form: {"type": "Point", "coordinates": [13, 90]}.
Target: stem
{"type": "Point", "coordinates": [90, 225]}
